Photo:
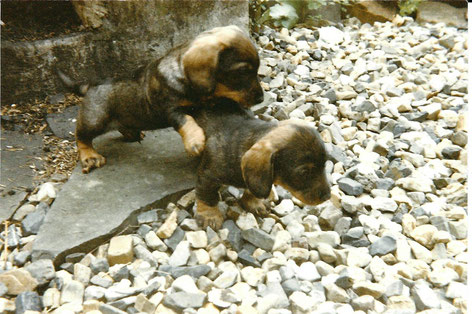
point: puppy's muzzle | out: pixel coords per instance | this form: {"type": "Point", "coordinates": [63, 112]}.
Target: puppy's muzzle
{"type": "Point", "coordinates": [257, 94]}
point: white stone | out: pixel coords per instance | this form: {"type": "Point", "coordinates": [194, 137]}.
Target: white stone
{"type": "Point", "coordinates": [246, 221]}
{"type": "Point", "coordinates": [197, 239]}
{"type": "Point", "coordinates": [358, 257]}
{"type": "Point", "coordinates": [308, 271]}
{"type": "Point", "coordinates": [383, 204]}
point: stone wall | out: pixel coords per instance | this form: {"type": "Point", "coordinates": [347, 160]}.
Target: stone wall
{"type": "Point", "coordinates": [119, 36]}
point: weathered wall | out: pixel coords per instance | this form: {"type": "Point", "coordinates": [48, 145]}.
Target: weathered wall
{"type": "Point", "coordinates": [126, 34]}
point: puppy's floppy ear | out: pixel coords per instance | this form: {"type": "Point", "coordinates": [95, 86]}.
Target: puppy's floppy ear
{"type": "Point", "coordinates": [257, 164]}
{"type": "Point", "coordinates": [257, 168]}
{"type": "Point", "coordinates": [200, 62]}
{"type": "Point", "coordinates": [201, 58]}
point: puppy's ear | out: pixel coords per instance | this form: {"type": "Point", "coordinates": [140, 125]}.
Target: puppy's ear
{"type": "Point", "coordinates": [200, 62]}
{"type": "Point", "coordinates": [258, 168]}
{"type": "Point", "coordinates": [257, 164]}
{"type": "Point", "coordinates": [201, 58]}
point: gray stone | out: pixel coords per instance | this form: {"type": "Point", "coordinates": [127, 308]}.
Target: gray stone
{"type": "Point", "coordinates": [385, 184]}
{"type": "Point", "coordinates": [234, 235]}
{"type": "Point", "coordinates": [451, 152]}
{"type": "Point", "coordinates": [247, 259]}
{"type": "Point", "coordinates": [258, 238]}
{"type": "Point", "coordinates": [182, 300]}
{"type": "Point", "coordinates": [109, 309]}
{"type": "Point", "coordinates": [33, 222]}
{"type": "Point", "coordinates": [42, 270]}
{"type": "Point", "coordinates": [194, 271]}
{"type": "Point", "coordinates": [104, 282]}
{"type": "Point", "coordinates": [28, 301]}
{"type": "Point", "coordinates": [331, 95]}
{"type": "Point", "coordinates": [80, 217]}
{"type": "Point", "coordinates": [99, 265]}
{"type": "Point", "coordinates": [350, 187]}
{"type": "Point", "coordinates": [22, 257]}
{"type": "Point", "coordinates": [175, 239]}
{"type": "Point", "coordinates": [382, 246]}
{"type": "Point", "coordinates": [147, 217]}
{"type": "Point", "coordinates": [142, 253]}
{"type": "Point", "coordinates": [459, 138]}
{"type": "Point", "coordinates": [119, 272]}
{"type": "Point", "coordinates": [291, 285]}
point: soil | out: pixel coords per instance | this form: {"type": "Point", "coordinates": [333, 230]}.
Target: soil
{"type": "Point", "coordinates": [59, 155]}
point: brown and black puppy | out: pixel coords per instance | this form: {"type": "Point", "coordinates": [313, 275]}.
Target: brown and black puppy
{"type": "Point", "coordinates": [219, 63]}
{"type": "Point", "coordinates": [249, 153]}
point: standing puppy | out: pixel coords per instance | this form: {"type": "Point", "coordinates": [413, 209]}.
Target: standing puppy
{"type": "Point", "coordinates": [249, 153]}
{"type": "Point", "coordinates": [219, 63]}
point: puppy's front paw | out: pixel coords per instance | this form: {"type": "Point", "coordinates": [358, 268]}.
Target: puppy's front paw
{"type": "Point", "coordinates": [91, 160]}
{"type": "Point", "coordinates": [208, 216]}
{"type": "Point", "coordinates": [195, 143]}
{"type": "Point", "coordinates": [254, 205]}
{"type": "Point", "coordinates": [192, 136]}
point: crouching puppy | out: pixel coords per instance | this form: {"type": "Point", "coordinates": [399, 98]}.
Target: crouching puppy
{"type": "Point", "coordinates": [221, 62]}
{"type": "Point", "coordinates": [249, 153]}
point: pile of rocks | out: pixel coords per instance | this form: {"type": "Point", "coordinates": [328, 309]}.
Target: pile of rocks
{"type": "Point", "coordinates": [390, 103]}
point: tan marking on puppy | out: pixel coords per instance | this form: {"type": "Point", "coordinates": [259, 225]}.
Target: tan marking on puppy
{"type": "Point", "coordinates": [201, 59]}
{"type": "Point", "coordinates": [192, 136]}
{"type": "Point", "coordinates": [88, 156]}
{"type": "Point", "coordinates": [208, 216]}
{"type": "Point", "coordinates": [153, 85]}
{"type": "Point", "coordinates": [256, 163]}
{"type": "Point", "coordinates": [186, 103]}
{"type": "Point", "coordinates": [239, 97]}
{"type": "Point", "coordinates": [253, 204]}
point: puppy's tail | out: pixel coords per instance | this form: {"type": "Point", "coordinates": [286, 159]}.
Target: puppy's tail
{"type": "Point", "coordinates": [75, 87]}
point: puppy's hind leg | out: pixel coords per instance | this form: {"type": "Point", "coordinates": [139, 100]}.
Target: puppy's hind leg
{"type": "Point", "coordinates": [253, 204]}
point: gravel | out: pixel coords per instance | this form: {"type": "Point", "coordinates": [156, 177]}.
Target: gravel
{"type": "Point", "coordinates": [390, 102]}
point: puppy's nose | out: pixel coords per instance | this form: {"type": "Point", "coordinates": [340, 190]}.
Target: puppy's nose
{"type": "Point", "coordinates": [260, 99]}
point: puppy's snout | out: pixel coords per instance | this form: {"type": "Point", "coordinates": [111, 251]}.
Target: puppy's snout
{"type": "Point", "coordinates": [258, 95]}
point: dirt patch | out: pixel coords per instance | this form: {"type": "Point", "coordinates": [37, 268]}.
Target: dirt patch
{"type": "Point", "coordinates": [59, 155]}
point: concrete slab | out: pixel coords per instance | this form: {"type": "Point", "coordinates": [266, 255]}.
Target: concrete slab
{"type": "Point", "coordinates": [16, 175]}
{"type": "Point", "coordinates": [91, 208]}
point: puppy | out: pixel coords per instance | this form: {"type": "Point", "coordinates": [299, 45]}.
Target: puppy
{"type": "Point", "coordinates": [249, 153]}
{"type": "Point", "coordinates": [219, 63]}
